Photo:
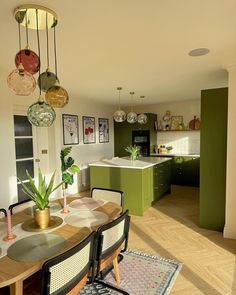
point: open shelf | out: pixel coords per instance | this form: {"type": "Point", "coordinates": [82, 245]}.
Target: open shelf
{"type": "Point", "coordinates": [178, 130]}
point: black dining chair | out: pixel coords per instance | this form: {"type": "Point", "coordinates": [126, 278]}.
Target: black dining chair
{"type": "Point", "coordinates": [67, 273]}
{"type": "Point", "coordinates": [20, 206]}
{"type": "Point", "coordinates": [111, 238]}
{"type": "Point", "coordinates": [3, 211]}
{"type": "Point", "coordinates": [110, 195]}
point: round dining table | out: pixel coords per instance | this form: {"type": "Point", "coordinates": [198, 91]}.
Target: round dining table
{"type": "Point", "coordinates": [13, 273]}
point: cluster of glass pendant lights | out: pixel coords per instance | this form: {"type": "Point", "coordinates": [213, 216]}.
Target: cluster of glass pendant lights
{"type": "Point", "coordinates": [22, 81]}
{"type": "Point", "coordinates": [120, 115]}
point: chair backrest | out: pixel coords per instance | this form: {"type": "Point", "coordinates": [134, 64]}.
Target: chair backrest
{"type": "Point", "coordinates": [3, 211]}
{"type": "Point", "coordinates": [109, 195]}
{"type": "Point", "coordinates": [63, 272]}
{"type": "Point", "coordinates": [20, 206]}
{"type": "Point", "coordinates": [111, 236]}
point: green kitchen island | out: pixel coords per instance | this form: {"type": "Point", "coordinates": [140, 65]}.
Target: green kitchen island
{"type": "Point", "coordinates": [143, 181]}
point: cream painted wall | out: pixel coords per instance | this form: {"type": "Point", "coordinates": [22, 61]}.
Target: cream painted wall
{"type": "Point", "coordinates": [230, 218]}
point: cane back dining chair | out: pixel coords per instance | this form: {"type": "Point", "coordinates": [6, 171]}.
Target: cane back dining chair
{"type": "Point", "coordinates": [69, 271]}
{"type": "Point", "coordinates": [20, 206]}
{"type": "Point", "coordinates": [109, 195]}
{"type": "Point", "coordinates": [111, 238]}
{"type": "Point", "coordinates": [4, 212]}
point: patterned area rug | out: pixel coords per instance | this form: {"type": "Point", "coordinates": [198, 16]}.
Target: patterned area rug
{"type": "Point", "coordinates": [141, 274]}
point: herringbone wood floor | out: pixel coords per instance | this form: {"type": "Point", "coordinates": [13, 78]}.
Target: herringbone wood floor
{"type": "Point", "coordinates": [170, 229]}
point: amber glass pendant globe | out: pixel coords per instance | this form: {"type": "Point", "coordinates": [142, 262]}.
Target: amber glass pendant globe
{"type": "Point", "coordinates": [57, 96]}
{"type": "Point", "coordinates": [41, 114]}
{"type": "Point", "coordinates": [46, 80]}
{"type": "Point", "coordinates": [29, 59]}
{"type": "Point", "coordinates": [21, 82]}
{"type": "Point", "coordinates": [142, 118]}
{"type": "Point", "coordinates": [132, 117]}
{"type": "Point", "coordinates": [119, 116]}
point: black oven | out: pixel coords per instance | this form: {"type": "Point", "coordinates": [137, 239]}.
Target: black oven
{"type": "Point", "coordinates": [141, 138]}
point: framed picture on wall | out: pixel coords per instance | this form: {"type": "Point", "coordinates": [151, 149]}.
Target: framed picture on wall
{"type": "Point", "coordinates": [176, 122]}
{"type": "Point", "coordinates": [89, 132]}
{"type": "Point", "coordinates": [70, 129]}
{"type": "Point", "coordinates": [103, 127]}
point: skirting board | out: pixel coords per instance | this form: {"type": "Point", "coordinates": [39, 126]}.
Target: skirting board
{"type": "Point", "coordinates": [229, 233]}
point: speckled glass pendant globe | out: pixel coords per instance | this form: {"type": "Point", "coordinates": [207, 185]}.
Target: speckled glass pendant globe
{"type": "Point", "coordinates": [132, 117]}
{"type": "Point", "coordinates": [21, 82]}
{"type": "Point", "coordinates": [119, 116]}
{"type": "Point", "coordinates": [41, 114]}
{"type": "Point", "coordinates": [29, 59]}
{"type": "Point", "coordinates": [57, 96]}
{"type": "Point", "coordinates": [46, 80]}
{"type": "Point", "coordinates": [142, 118]}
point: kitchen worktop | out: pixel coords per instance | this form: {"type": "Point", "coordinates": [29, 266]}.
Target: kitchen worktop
{"type": "Point", "coordinates": [174, 155]}
{"type": "Point", "coordinates": [141, 163]}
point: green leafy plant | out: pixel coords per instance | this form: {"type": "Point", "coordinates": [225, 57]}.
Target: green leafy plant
{"type": "Point", "coordinates": [133, 151]}
{"type": "Point", "coordinates": [68, 168]}
{"type": "Point", "coordinates": [40, 195]}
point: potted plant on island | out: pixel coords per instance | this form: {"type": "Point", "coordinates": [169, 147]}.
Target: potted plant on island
{"type": "Point", "coordinates": [133, 151]}
{"type": "Point", "coordinates": [40, 195]}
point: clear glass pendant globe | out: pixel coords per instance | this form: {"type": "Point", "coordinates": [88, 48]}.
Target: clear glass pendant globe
{"type": "Point", "coordinates": [132, 117]}
{"type": "Point", "coordinates": [41, 114]}
{"type": "Point", "coordinates": [119, 116]}
{"type": "Point", "coordinates": [142, 118]}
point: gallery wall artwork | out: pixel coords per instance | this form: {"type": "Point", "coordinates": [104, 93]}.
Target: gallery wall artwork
{"type": "Point", "coordinates": [89, 132]}
{"type": "Point", "coordinates": [103, 125]}
{"type": "Point", "coordinates": [70, 129]}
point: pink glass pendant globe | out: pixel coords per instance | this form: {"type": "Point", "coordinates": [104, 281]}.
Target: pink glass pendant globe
{"type": "Point", "coordinates": [29, 59]}
{"type": "Point", "coordinates": [21, 82]}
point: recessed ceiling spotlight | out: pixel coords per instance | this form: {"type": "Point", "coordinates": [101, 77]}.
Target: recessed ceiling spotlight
{"type": "Point", "coordinates": [199, 52]}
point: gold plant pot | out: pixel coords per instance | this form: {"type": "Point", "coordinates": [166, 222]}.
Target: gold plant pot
{"type": "Point", "coordinates": [42, 217]}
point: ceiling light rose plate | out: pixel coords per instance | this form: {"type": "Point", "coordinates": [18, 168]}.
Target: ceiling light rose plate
{"type": "Point", "coordinates": [20, 16]}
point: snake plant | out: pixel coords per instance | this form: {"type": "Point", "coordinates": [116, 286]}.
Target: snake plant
{"type": "Point", "coordinates": [39, 194]}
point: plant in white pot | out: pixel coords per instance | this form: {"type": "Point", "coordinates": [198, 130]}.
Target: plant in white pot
{"type": "Point", "coordinates": [40, 195]}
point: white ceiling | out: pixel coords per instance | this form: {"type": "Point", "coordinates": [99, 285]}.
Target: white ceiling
{"type": "Point", "coordinates": [141, 45]}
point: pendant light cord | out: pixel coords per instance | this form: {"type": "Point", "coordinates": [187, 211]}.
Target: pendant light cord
{"type": "Point", "coordinates": [37, 23]}
{"type": "Point", "coordinates": [19, 40]}
{"type": "Point", "coordinates": [55, 50]}
{"type": "Point", "coordinates": [26, 29]}
{"type": "Point", "coordinates": [47, 40]}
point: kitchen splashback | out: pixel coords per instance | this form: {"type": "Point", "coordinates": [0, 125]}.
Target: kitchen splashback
{"type": "Point", "coordinates": [185, 142]}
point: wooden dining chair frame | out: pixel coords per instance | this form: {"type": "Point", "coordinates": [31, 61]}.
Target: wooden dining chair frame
{"type": "Point", "coordinates": [88, 269]}
{"type": "Point", "coordinates": [114, 249]}
{"type": "Point", "coordinates": [111, 190]}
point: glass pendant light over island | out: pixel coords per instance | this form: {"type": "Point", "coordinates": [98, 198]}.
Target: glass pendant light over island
{"type": "Point", "coordinates": [119, 115]}
{"type": "Point", "coordinates": [132, 116]}
{"type": "Point", "coordinates": [142, 118]}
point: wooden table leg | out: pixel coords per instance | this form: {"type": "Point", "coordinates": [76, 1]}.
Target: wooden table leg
{"type": "Point", "coordinates": [16, 288]}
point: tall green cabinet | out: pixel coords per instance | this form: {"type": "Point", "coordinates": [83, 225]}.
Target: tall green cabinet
{"type": "Point", "coordinates": [123, 134]}
{"type": "Point", "coordinates": [214, 104]}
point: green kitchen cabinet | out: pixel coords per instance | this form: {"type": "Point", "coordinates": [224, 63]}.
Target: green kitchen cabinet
{"type": "Point", "coordinates": [214, 106]}
{"type": "Point", "coordinates": [141, 187]}
{"type": "Point", "coordinates": [185, 170]}
{"type": "Point", "coordinates": [123, 134]}
{"type": "Point", "coordinates": [161, 180]}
